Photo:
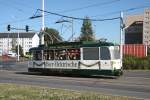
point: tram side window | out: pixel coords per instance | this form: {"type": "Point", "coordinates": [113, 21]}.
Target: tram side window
{"type": "Point", "coordinates": [49, 54]}
{"type": "Point", "coordinates": [90, 53]}
{"type": "Point", "coordinates": [60, 54]}
{"type": "Point", "coordinates": [104, 53]}
{"type": "Point", "coordinates": [73, 54]}
{"type": "Point", "coordinates": [67, 54]}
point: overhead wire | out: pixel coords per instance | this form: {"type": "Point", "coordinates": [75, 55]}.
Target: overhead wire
{"type": "Point", "coordinates": [123, 10]}
{"type": "Point", "coordinates": [12, 6]}
{"type": "Point", "coordinates": [22, 4]}
{"type": "Point", "coordinates": [15, 21]}
{"type": "Point", "coordinates": [90, 6]}
{"type": "Point", "coordinates": [75, 9]}
{"type": "Point", "coordinates": [76, 18]}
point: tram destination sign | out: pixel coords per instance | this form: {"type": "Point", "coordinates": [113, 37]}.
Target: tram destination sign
{"type": "Point", "coordinates": [61, 64]}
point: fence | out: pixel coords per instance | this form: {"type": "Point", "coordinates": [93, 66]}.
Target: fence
{"type": "Point", "coordinates": [138, 50]}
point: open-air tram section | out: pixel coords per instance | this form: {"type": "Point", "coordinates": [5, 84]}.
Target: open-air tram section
{"type": "Point", "coordinates": [77, 58]}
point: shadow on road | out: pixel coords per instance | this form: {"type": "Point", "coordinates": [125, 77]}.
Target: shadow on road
{"type": "Point", "coordinates": [66, 75]}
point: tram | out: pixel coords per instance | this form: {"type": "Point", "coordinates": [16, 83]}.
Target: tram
{"type": "Point", "coordinates": [77, 58]}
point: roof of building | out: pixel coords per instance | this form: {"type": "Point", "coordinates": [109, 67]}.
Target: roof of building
{"type": "Point", "coordinates": [15, 35]}
{"type": "Point", "coordinates": [133, 18]}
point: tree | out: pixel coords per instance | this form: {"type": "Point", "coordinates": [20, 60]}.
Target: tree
{"type": "Point", "coordinates": [20, 50]}
{"type": "Point", "coordinates": [87, 33]}
{"type": "Point", "coordinates": [51, 36]}
{"type": "Point", "coordinates": [14, 42]}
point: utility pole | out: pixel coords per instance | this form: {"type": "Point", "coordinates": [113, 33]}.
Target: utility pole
{"type": "Point", "coordinates": [8, 44]}
{"type": "Point", "coordinates": [43, 23]}
{"type": "Point", "coordinates": [43, 20]}
{"type": "Point", "coordinates": [121, 35]}
{"type": "Point", "coordinates": [8, 29]}
{"type": "Point", "coordinates": [18, 48]}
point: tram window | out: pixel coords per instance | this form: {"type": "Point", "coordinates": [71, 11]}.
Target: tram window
{"type": "Point", "coordinates": [115, 54]}
{"type": "Point", "coordinates": [37, 55]}
{"type": "Point", "coordinates": [90, 53]}
{"type": "Point", "coordinates": [60, 54]}
{"type": "Point", "coordinates": [104, 53]}
{"type": "Point", "coordinates": [73, 54]}
{"type": "Point", "coordinates": [49, 54]}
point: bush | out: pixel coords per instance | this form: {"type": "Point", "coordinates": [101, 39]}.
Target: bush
{"type": "Point", "coordinates": [132, 62]}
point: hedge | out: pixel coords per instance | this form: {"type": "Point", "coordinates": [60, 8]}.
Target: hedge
{"type": "Point", "coordinates": [134, 63]}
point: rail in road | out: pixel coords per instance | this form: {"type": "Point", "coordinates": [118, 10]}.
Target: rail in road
{"type": "Point", "coordinates": [132, 83]}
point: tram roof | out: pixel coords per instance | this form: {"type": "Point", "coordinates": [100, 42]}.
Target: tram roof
{"type": "Point", "coordinates": [67, 45]}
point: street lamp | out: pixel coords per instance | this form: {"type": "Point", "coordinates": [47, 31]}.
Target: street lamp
{"type": "Point", "coordinates": [18, 47]}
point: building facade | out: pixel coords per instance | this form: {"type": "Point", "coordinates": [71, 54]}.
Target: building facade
{"type": "Point", "coordinates": [134, 29]}
{"type": "Point", "coordinates": [146, 27]}
{"type": "Point", "coordinates": [134, 33]}
{"type": "Point", "coordinates": [137, 29]}
{"type": "Point", "coordinates": [9, 41]}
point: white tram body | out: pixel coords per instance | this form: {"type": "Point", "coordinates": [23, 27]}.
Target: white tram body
{"type": "Point", "coordinates": [79, 60]}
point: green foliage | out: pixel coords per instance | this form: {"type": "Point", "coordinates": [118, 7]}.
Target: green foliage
{"type": "Point", "coordinates": [20, 50]}
{"type": "Point", "coordinates": [14, 40]}
{"type": "Point", "coordinates": [87, 33]}
{"type": "Point", "coordinates": [51, 36]}
{"type": "Point", "coordinates": [131, 62]}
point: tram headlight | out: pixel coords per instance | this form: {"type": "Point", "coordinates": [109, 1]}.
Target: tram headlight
{"type": "Point", "coordinates": [113, 63]}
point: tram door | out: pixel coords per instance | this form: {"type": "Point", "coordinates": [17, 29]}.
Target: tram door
{"type": "Point", "coordinates": [105, 58]}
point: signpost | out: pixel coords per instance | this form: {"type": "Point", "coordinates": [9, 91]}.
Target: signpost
{"type": "Point", "coordinates": [13, 28]}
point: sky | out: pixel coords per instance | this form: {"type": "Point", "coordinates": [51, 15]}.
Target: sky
{"type": "Point", "coordinates": [17, 14]}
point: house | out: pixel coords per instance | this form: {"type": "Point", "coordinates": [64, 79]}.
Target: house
{"type": "Point", "coordinates": [9, 41]}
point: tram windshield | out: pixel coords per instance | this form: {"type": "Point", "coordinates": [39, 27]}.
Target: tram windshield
{"type": "Point", "coordinates": [37, 55]}
{"type": "Point", "coordinates": [105, 53]}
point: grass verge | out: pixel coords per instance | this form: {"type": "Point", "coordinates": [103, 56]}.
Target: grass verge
{"type": "Point", "coordinates": [27, 92]}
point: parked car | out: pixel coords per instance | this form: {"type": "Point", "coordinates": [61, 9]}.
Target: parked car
{"type": "Point", "coordinates": [12, 54]}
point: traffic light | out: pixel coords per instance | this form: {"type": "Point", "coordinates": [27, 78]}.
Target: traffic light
{"type": "Point", "coordinates": [8, 27]}
{"type": "Point", "coordinates": [27, 28]}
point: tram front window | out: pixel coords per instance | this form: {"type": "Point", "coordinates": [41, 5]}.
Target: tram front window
{"type": "Point", "coordinates": [105, 53]}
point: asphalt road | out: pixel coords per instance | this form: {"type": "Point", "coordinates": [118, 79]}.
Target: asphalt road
{"type": "Point", "coordinates": [132, 83]}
